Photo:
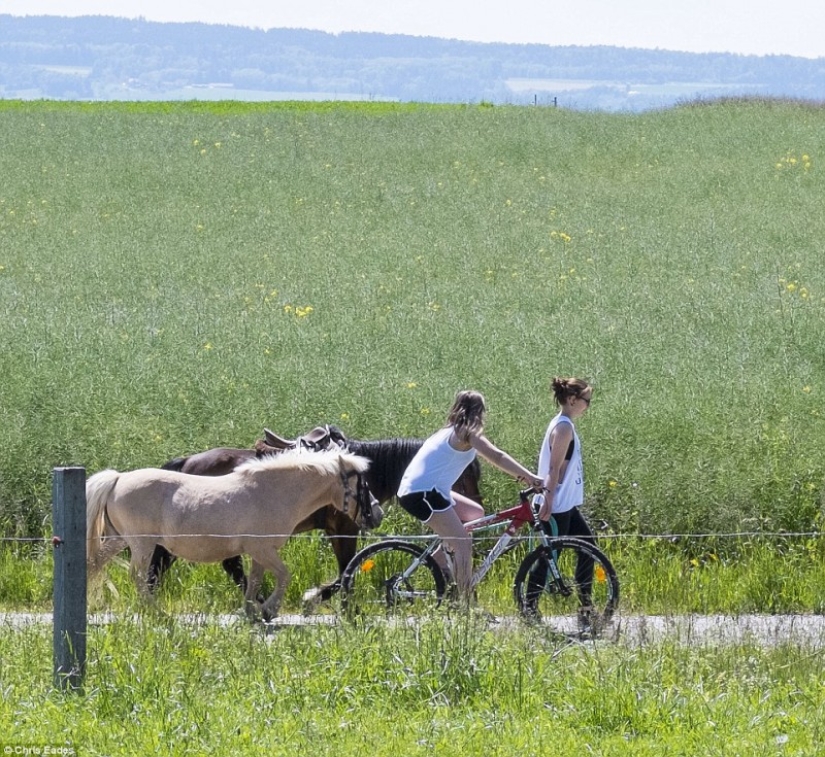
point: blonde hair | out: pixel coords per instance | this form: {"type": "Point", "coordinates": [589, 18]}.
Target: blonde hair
{"type": "Point", "coordinates": [568, 388]}
{"type": "Point", "coordinates": [466, 415]}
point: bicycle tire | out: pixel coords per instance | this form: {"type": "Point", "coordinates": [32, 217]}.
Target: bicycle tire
{"type": "Point", "coordinates": [562, 605]}
{"type": "Point", "coordinates": [371, 583]}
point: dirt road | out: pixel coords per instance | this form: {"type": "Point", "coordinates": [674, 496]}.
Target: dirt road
{"type": "Point", "coordinates": [635, 630]}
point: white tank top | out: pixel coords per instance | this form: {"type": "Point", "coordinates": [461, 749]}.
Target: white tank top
{"type": "Point", "coordinates": [570, 490]}
{"type": "Point", "coordinates": [436, 465]}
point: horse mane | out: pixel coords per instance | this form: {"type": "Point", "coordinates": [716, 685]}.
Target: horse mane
{"type": "Point", "coordinates": [390, 457]}
{"type": "Point", "coordinates": [327, 462]}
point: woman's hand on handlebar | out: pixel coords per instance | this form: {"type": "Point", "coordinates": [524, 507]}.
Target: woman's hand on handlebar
{"type": "Point", "coordinates": [534, 482]}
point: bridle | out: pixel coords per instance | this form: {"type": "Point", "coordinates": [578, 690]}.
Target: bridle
{"type": "Point", "coordinates": [362, 496]}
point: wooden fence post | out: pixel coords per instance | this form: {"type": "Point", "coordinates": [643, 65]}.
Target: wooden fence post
{"type": "Point", "coordinates": [69, 527]}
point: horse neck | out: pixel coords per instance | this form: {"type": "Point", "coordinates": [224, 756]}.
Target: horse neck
{"type": "Point", "coordinates": [304, 492]}
{"type": "Point", "coordinates": [389, 459]}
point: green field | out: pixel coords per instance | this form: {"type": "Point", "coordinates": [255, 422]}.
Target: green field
{"type": "Point", "coordinates": [175, 277]}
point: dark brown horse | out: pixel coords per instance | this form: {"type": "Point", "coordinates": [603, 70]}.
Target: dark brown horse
{"type": "Point", "coordinates": [388, 458]}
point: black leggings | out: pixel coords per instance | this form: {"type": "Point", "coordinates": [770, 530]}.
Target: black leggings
{"type": "Point", "coordinates": [570, 523]}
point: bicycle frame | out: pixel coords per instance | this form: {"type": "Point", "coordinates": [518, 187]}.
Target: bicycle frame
{"type": "Point", "coordinates": [515, 517]}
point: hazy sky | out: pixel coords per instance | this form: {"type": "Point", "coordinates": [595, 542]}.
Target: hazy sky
{"type": "Point", "coordinates": [753, 27]}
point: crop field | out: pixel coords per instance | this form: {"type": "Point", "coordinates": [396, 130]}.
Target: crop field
{"type": "Point", "coordinates": [176, 277]}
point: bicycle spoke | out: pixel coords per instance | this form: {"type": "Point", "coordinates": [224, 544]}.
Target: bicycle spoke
{"type": "Point", "coordinates": [570, 588]}
{"type": "Point", "coordinates": [384, 578]}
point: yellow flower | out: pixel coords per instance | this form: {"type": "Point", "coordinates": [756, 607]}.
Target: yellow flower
{"type": "Point", "coordinates": [612, 483]}
{"type": "Point", "coordinates": [208, 346]}
{"type": "Point", "coordinates": [411, 385]}
{"type": "Point", "coordinates": [367, 565]}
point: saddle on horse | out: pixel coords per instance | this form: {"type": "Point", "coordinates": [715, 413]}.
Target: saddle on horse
{"type": "Point", "coordinates": [320, 438]}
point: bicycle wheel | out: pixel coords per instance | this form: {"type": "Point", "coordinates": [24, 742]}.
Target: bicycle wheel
{"type": "Point", "coordinates": [391, 576]}
{"type": "Point", "coordinates": [568, 586]}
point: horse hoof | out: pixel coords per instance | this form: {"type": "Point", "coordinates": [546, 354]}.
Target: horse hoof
{"type": "Point", "coordinates": [268, 616]}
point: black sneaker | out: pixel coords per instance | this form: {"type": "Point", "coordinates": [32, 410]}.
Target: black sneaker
{"type": "Point", "coordinates": [587, 621]}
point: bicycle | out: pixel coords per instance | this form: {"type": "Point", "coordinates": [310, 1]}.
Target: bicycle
{"type": "Point", "coordinates": [550, 586]}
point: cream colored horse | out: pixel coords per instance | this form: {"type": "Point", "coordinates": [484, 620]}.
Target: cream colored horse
{"type": "Point", "coordinates": [251, 511]}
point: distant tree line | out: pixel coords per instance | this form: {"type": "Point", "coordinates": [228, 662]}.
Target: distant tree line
{"type": "Point", "coordinates": [105, 58]}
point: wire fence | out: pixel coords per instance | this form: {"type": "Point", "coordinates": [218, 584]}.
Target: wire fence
{"type": "Point", "coordinates": [56, 540]}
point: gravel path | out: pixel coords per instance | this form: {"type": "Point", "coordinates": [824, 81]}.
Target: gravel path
{"type": "Point", "coordinates": [636, 630]}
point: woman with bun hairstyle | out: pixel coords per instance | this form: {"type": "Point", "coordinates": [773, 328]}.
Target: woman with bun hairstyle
{"type": "Point", "coordinates": [425, 490]}
{"type": "Point", "coordinates": [560, 465]}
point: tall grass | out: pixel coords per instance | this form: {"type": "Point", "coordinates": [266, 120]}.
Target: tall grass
{"type": "Point", "coordinates": [162, 686]}
{"type": "Point", "coordinates": [174, 277]}
{"type": "Point", "coordinates": [706, 576]}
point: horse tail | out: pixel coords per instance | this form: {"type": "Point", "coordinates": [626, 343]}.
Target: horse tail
{"type": "Point", "coordinates": [176, 464]}
{"type": "Point", "coordinates": [98, 491]}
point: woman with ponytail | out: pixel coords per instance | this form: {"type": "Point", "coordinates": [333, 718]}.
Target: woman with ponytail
{"type": "Point", "coordinates": [425, 490]}
{"type": "Point", "coordinates": [560, 465]}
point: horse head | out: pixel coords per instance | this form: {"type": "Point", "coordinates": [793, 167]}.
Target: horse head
{"type": "Point", "coordinates": [359, 503]}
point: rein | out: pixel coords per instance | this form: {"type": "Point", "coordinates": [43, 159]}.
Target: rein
{"type": "Point", "coordinates": [362, 496]}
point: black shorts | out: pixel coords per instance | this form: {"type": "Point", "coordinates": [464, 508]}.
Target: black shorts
{"type": "Point", "coordinates": [422, 505]}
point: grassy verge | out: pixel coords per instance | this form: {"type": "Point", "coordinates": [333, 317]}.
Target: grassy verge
{"type": "Point", "coordinates": [156, 685]}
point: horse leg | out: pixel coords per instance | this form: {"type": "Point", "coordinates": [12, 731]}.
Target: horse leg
{"type": "Point", "coordinates": [161, 561]}
{"type": "Point", "coordinates": [342, 532]}
{"type": "Point", "coordinates": [139, 566]}
{"type": "Point", "coordinates": [253, 583]}
{"type": "Point", "coordinates": [234, 569]}
{"type": "Point", "coordinates": [111, 547]}
{"type": "Point", "coordinates": [275, 564]}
